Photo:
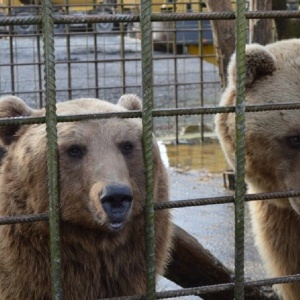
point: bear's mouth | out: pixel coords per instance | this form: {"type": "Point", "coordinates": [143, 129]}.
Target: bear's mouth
{"type": "Point", "coordinates": [116, 202]}
{"type": "Point", "coordinates": [116, 225]}
{"type": "Point", "coordinates": [117, 221]}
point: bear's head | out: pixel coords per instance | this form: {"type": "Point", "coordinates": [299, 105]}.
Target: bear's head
{"type": "Point", "coordinates": [272, 137]}
{"type": "Point", "coordinates": [101, 165]}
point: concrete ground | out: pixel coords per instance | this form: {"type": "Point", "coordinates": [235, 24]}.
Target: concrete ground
{"type": "Point", "coordinates": [78, 66]}
{"type": "Point", "coordinates": [211, 225]}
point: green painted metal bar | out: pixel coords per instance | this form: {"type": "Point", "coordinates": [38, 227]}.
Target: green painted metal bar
{"type": "Point", "coordinates": [147, 91]}
{"type": "Point", "coordinates": [155, 113]}
{"type": "Point", "coordinates": [52, 153]}
{"type": "Point", "coordinates": [240, 150]}
{"type": "Point", "coordinates": [164, 17]}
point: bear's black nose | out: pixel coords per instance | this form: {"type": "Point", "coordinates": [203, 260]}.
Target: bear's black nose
{"type": "Point", "coordinates": [116, 202]}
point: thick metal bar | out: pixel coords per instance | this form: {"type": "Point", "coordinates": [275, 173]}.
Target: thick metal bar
{"type": "Point", "coordinates": [155, 113]}
{"type": "Point", "coordinates": [224, 199]}
{"type": "Point", "coordinates": [137, 114]}
{"type": "Point", "coordinates": [240, 151]}
{"type": "Point", "coordinates": [52, 152]}
{"type": "Point", "coordinates": [169, 204]}
{"type": "Point", "coordinates": [164, 17]}
{"type": "Point", "coordinates": [23, 219]}
{"type": "Point", "coordinates": [216, 288]}
{"type": "Point", "coordinates": [147, 92]}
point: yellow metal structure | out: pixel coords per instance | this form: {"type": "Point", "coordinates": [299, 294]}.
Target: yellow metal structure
{"type": "Point", "coordinates": [207, 50]}
{"type": "Point", "coordinates": [168, 33]}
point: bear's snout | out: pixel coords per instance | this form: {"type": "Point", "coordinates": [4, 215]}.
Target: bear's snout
{"type": "Point", "coordinates": [116, 201]}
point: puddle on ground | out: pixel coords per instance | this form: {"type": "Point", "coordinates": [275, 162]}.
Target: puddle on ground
{"type": "Point", "coordinates": [208, 156]}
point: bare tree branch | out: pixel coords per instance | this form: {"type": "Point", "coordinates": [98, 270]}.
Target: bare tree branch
{"type": "Point", "coordinates": [224, 36]}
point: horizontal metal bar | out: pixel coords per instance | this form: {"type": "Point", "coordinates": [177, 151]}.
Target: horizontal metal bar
{"type": "Point", "coordinates": [168, 205]}
{"type": "Point", "coordinates": [156, 113]}
{"type": "Point", "coordinates": [224, 200]}
{"type": "Point", "coordinates": [214, 288]}
{"type": "Point", "coordinates": [162, 17]}
{"type": "Point", "coordinates": [182, 292]}
{"type": "Point", "coordinates": [23, 219]}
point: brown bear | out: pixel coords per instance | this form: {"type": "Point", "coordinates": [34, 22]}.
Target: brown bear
{"type": "Point", "coordinates": [272, 152]}
{"type": "Point", "coordinates": [102, 194]}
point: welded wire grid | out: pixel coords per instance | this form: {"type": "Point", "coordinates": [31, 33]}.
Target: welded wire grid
{"type": "Point", "coordinates": [111, 63]}
{"type": "Point", "coordinates": [45, 63]}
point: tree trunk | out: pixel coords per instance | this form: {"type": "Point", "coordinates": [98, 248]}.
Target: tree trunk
{"type": "Point", "coordinates": [281, 24]}
{"type": "Point", "coordinates": [260, 30]}
{"type": "Point", "coordinates": [224, 36]}
{"type": "Point", "coordinates": [286, 28]}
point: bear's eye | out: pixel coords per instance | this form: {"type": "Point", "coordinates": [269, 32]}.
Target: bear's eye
{"type": "Point", "coordinates": [76, 151]}
{"type": "Point", "coordinates": [294, 141]}
{"type": "Point", "coordinates": [126, 147]}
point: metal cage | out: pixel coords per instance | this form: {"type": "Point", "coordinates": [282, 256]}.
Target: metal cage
{"type": "Point", "coordinates": [47, 20]}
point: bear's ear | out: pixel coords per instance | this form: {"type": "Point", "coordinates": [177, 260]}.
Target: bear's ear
{"type": "Point", "coordinates": [12, 107]}
{"type": "Point", "coordinates": [130, 102]}
{"type": "Point", "coordinates": [259, 62]}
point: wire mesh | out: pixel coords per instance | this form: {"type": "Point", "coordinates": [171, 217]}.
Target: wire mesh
{"type": "Point", "coordinates": [100, 84]}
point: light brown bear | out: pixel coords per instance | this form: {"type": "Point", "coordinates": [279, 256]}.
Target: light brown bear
{"type": "Point", "coordinates": [272, 152]}
{"type": "Point", "coordinates": [102, 190]}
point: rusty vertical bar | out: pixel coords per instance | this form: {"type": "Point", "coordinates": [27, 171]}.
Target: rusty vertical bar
{"type": "Point", "coordinates": [240, 151]}
{"type": "Point", "coordinates": [147, 90]}
{"type": "Point", "coordinates": [52, 151]}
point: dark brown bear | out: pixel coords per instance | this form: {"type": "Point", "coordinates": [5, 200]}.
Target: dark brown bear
{"type": "Point", "coordinates": [272, 153]}
{"type": "Point", "coordinates": [102, 192]}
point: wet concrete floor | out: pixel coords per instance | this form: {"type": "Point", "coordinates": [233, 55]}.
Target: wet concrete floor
{"type": "Point", "coordinates": [196, 171]}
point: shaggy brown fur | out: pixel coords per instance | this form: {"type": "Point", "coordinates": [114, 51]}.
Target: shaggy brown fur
{"type": "Point", "coordinates": [272, 153]}
{"type": "Point", "coordinates": [103, 252]}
